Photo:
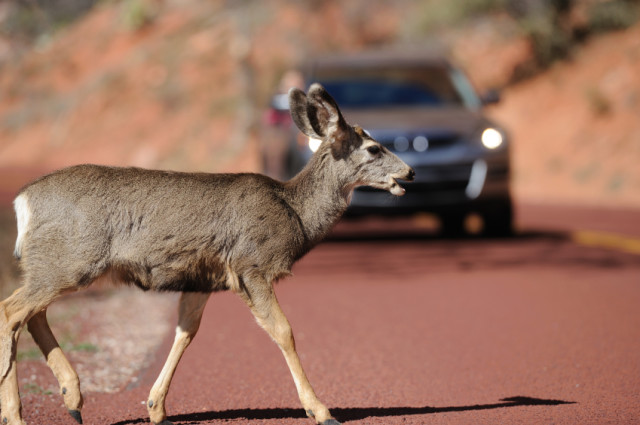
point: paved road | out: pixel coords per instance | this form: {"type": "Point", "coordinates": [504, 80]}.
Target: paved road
{"type": "Point", "coordinates": [537, 329]}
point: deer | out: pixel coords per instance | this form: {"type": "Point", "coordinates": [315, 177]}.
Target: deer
{"type": "Point", "coordinates": [192, 233]}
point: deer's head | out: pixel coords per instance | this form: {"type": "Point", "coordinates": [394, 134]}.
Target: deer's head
{"type": "Point", "coordinates": [360, 160]}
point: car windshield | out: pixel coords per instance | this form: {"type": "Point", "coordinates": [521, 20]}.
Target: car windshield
{"type": "Point", "coordinates": [422, 86]}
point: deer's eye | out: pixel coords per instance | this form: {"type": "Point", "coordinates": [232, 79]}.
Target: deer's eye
{"type": "Point", "coordinates": [373, 149]}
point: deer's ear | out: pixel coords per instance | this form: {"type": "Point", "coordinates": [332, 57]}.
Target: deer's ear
{"type": "Point", "coordinates": [299, 108]}
{"type": "Point", "coordinates": [317, 115]}
{"type": "Point", "coordinates": [324, 115]}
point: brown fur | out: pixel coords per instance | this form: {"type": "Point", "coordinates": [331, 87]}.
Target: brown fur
{"type": "Point", "coordinates": [196, 233]}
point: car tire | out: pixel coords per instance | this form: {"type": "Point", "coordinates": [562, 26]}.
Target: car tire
{"type": "Point", "coordinates": [498, 221]}
{"type": "Point", "coordinates": [452, 224]}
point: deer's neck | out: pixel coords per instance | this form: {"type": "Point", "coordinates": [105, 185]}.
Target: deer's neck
{"type": "Point", "coordinates": [319, 195]}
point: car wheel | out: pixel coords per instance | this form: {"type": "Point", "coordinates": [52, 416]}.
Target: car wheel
{"type": "Point", "coordinates": [452, 224]}
{"type": "Point", "coordinates": [498, 221]}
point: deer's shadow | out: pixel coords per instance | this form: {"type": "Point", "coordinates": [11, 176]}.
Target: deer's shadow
{"type": "Point", "coordinates": [346, 414]}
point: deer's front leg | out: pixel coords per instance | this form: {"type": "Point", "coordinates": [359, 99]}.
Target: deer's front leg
{"type": "Point", "coordinates": [264, 306]}
{"type": "Point", "coordinates": [190, 312]}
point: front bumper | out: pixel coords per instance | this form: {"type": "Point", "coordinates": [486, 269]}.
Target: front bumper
{"type": "Point", "coordinates": [464, 186]}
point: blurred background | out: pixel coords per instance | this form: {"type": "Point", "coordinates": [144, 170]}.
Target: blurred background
{"type": "Point", "coordinates": [187, 84]}
{"type": "Point", "coordinates": [184, 84]}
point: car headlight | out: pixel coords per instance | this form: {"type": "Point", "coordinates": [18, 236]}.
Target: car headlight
{"type": "Point", "coordinates": [492, 138]}
{"type": "Point", "coordinates": [314, 144]}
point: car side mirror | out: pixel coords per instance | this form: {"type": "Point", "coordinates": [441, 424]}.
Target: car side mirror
{"type": "Point", "coordinates": [490, 97]}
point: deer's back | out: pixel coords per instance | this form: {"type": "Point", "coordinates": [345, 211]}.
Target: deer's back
{"type": "Point", "coordinates": [160, 230]}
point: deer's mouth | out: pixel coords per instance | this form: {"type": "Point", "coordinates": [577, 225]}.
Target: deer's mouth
{"type": "Point", "coordinates": [395, 188]}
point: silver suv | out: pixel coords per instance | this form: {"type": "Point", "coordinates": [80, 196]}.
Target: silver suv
{"type": "Point", "coordinates": [425, 110]}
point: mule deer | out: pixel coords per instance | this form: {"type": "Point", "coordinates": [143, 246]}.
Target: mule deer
{"type": "Point", "coordinates": [195, 233]}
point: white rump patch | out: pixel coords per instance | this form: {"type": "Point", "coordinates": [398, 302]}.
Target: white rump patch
{"type": "Point", "coordinates": [23, 216]}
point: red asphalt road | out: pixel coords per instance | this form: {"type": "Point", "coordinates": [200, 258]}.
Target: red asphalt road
{"type": "Point", "coordinates": [535, 329]}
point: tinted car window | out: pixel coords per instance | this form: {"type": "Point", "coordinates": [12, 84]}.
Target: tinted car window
{"type": "Point", "coordinates": [392, 87]}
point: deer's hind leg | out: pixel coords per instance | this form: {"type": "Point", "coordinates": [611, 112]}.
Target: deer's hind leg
{"type": "Point", "coordinates": [15, 312]}
{"type": "Point", "coordinates": [56, 360]}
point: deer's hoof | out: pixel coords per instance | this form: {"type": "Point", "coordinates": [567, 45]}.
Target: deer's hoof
{"type": "Point", "coordinates": [165, 422]}
{"type": "Point", "coordinates": [75, 414]}
{"type": "Point", "coordinates": [331, 422]}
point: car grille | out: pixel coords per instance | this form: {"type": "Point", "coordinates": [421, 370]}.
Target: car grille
{"type": "Point", "coordinates": [444, 173]}
{"type": "Point", "coordinates": [412, 142]}
{"type": "Point", "coordinates": [435, 178]}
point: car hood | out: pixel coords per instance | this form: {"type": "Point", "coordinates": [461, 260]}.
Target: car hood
{"type": "Point", "coordinates": [461, 121]}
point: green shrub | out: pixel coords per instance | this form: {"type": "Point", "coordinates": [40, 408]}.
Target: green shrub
{"type": "Point", "coordinates": [137, 14]}
{"type": "Point", "coordinates": [612, 15]}
{"type": "Point", "coordinates": [29, 20]}
{"type": "Point", "coordinates": [598, 101]}
{"type": "Point", "coordinates": [436, 14]}
{"type": "Point", "coordinates": [548, 40]}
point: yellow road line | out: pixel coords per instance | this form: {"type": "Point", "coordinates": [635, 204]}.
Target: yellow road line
{"type": "Point", "coordinates": [607, 240]}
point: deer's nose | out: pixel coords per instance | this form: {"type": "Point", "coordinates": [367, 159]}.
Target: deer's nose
{"type": "Point", "coordinates": [410, 175]}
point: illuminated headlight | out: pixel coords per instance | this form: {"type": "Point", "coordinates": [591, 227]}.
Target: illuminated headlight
{"type": "Point", "coordinates": [314, 144]}
{"type": "Point", "coordinates": [492, 138]}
